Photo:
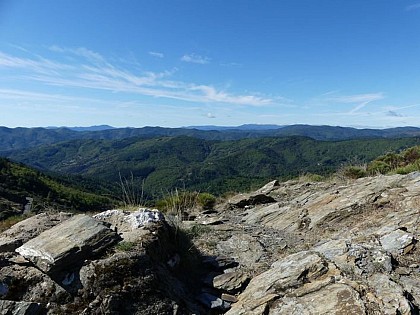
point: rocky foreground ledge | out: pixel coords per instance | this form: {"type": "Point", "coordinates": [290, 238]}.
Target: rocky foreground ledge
{"type": "Point", "coordinates": [288, 248]}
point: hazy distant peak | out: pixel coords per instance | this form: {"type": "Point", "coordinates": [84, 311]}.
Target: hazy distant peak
{"type": "Point", "coordinates": [89, 128]}
{"type": "Point", "coordinates": [241, 127]}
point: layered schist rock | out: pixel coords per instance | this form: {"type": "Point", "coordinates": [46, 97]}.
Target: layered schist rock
{"type": "Point", "coordinates": [129, 224]}
{"type": "Point", "coordinates": [343, 247]}
{"type": "Point", "coordinates": [25, 230]}
{"type": "Point", "coordinates": [71, 264]}
{"type": "Point", "coordinates": [68, 243]}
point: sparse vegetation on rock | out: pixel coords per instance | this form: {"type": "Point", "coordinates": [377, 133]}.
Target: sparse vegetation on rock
{"type": "Point", "coordinates": [355, 242]}
{"type": "Point", "coordinates": [348, 242]}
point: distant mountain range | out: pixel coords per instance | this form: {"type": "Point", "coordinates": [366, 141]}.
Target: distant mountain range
{"type": "Point", "coordinates": [90, 128]}
{"type": "Point", "coordinates": [241, 127]}
{"type": "Point", "coordinates": [162, 164]}
{"type": "Point", "coordinates": [21, 138]}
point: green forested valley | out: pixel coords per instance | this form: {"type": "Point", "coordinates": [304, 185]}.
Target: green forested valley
{"type": "Point", "coordinates": [19, 182]}
{"type": "Point", "coordinates": [23, 138]}
{"type": "Point", "coordinates": [161, 164]}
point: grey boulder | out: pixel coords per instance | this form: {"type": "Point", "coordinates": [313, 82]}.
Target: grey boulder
{"type": "Point", "coordinates": [68, 243]}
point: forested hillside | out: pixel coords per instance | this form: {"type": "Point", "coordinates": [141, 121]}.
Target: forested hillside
{"type": "Point", "coordinates": [22, 138]}
{"type": "Point", "coordinates": [162, 164]}
{"type": "Point", "coordinates": [20, 185]}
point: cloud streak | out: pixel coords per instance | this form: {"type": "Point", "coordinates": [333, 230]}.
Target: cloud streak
{"type": "Point", "coordinates": [156, 54]}
{"type": "Point", "coordinates": [87, 70]}
{"type": "Point", "coordinates": [193, 58]}
{"type": "Point", "coordinates": [358, 100]}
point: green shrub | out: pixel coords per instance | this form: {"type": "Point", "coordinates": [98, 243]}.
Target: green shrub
{"type": "Point", "coordinates": [407, 169]}
{"type": "Point", "coordinates": [178, 202]}
{"type": "Point", "coordinates": [125, 246]}
{"type": "Point", "coordinates": [403, 163]}
{"type": "Point", "coordinates": [206, 200]}
{"type": "Point", "coordinates": [378, 167]}
{"type": "Point", "coordinates": [354, 172]}
{"type": "Point", "coordinates": [309, 177]}
{"type": "Point", "coordinates": [411, 155]}
{"type": "Point", "coordinates": [394, 160]}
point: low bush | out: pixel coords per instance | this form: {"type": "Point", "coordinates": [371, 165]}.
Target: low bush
{"type": "Point", "coordinates": [178, 202]}
{"type": "Point", "coordinates": [378, 167]}
{"type": "Point", "coordinates": [125, 246]}
{"type": "Point", "coordinates": [354, 172]}
{"type": "Point", "coordinates": [206, 200]}
{"type": "Point", "coordinates": [403, 163]}
{"type": "Point", "coordinates": [309, 177]}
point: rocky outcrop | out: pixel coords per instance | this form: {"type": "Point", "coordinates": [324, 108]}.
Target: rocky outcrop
{"type": "Point", "coordinates": [336, 298]}
{"type": "Point", "coordinates": [68, 243]}
{"type": "Point", "coordinates": [25, 230]}
{"type": "Point", "coordinates": [73, 266]}
{"type": "Point", "coordinates": [288, 248]}
{"type": "Point", "coordinates": [25, 283]}
{"type": "Point", "coordinates": [398, 242]}
{"type": "Point", "coordinates": [325, 248]}
{"type": "Point", "coordinates": [245, 249]}
{"type": "Point", "coordinates": [286, 274]}
{"type": "Point", "coordinates": [129, 224]}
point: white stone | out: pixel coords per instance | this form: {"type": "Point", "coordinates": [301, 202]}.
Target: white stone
{"type": "Point", "coordinates": [127, 221]}
{"type": "Point", "coordinates": [396, 241]}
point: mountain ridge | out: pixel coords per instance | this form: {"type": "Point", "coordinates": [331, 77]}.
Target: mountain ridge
{"type": "Point", "coordinates": [19, 138]}
{"type": "Point", "coordinates": [168, 163]}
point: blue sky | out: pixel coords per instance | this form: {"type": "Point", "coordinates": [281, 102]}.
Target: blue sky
{"type": "Point", "coordinates": [216, 62]}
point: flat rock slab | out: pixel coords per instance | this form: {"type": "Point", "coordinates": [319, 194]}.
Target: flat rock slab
{"type": "Point", "coordinates": [245, 249]}
{"type": "Point", "coordinates": [267, 188]}
{"type": "Point", "coordinates": [290, 272]}
{"type": "Point", "coordinates": [23, 231]}
{"type": "Point", "coordinates": [396, 241]}
{"type": "Point", "coordinates": [230, 281]}
{"type": "Point", "coordinates": [219, 262]}
{"type": "Point", "coordinates": [333, 299]}
{"type": "Point", "coordinates": [68, 243]}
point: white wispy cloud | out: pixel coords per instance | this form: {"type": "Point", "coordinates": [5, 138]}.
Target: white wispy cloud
{"type": "Point", "coordinates": [359, 101]}
{"type": "Point", "coordinates": [193, 58]}
{"type": "Point", "coordinates": [156, 54]}
{"type": "Point", "coordinates": [37, 64]}
{"type": "Point", "coordinates": [231, 64]}
{"type": "Point", "coordinates": [41, 98]}
{"type": "Point", "coordinates": [92, 71]}
{"type": "Point", "coordinates": [79, 51]}
{"type": "Point", "coordinates": [357, 98]}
